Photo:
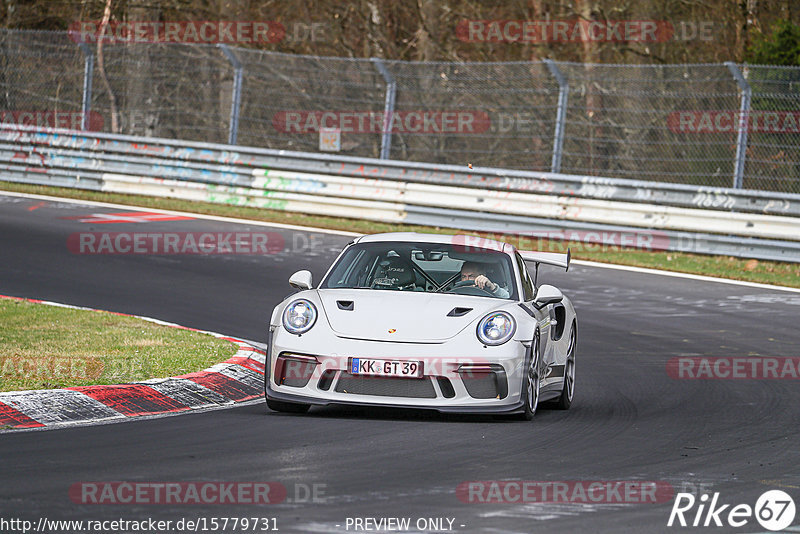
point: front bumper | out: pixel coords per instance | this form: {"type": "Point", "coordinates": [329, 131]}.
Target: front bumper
{"type": "Point", "coordinates": [460, 375]}
{"type": "Point", "coordinates": [470, 410]}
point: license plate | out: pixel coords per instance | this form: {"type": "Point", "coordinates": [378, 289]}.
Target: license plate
{"type": "Point", "coordinates": [395, 368]}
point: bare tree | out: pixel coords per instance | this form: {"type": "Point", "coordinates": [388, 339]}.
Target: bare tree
{"type": "Point", "coordinates": [101, 68]}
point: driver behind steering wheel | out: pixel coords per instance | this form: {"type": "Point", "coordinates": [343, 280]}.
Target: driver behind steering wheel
{"type": "Point", "coordinates": [476, 273]}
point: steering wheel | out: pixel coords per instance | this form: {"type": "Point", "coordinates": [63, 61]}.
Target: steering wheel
{"type": "Point", "coordinates": [468, 287]}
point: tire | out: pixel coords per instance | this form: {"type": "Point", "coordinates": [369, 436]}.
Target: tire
{"type": "Point", "coordinates": [287, 407]}
{"type": "Point", "coordinates": [531, 382]}
{"type": "Point", "coordinates": [568, 391]}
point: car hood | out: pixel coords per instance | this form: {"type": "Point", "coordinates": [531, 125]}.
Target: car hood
{"type": "Point", "coordinates": [402, 316]}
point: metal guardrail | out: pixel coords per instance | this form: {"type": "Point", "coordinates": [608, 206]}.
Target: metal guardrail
{"type": "Point", "coordinates": [715, 221]}
{"type": "Point", "coordinates": [187, 152]}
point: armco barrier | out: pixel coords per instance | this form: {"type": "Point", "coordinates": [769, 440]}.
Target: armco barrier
{"type": "Point", "coordinates": [721, 221]}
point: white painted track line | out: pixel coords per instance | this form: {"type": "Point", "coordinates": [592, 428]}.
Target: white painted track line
{"type": "Point", "coordinates": [235, 220]}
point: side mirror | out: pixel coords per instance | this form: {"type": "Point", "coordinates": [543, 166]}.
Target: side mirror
{"type": "Point", "coordinates": [547, 295]}
{"type": "Point", "coordinates": [301, 280]}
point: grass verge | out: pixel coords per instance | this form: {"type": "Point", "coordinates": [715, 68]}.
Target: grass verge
{"type": "Point", "coordinates": [765, 272]}
{"type": "Point", "coordinates": [47, 347]}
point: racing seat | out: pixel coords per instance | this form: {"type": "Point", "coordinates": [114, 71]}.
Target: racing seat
{"type": "Point", "coordinates": [394, 273]}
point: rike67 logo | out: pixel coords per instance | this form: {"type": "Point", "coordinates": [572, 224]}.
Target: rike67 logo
{"type": "Point", "coordinates": [774, 510]}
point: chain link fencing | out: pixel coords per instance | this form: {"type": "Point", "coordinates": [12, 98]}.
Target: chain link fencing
{"type": "Point", "coordinates": [715, 125]}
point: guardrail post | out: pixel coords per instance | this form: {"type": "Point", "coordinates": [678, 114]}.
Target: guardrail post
{"type": "Point", "coordinates": [236, 97]}
{"type": "Point", "coordinates": [388, 107]}
{"type": "Point", "coordinates": [561, 114]}
{"type": "Point", "coordinates": [88, 74]}
{"type": "Point", "coordinates": [744, 112]}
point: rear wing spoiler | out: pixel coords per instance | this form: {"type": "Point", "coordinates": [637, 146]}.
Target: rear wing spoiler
{"type": "Point", "coordinates": [548, 258]}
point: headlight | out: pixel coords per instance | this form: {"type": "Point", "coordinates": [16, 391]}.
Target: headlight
{"type": "Point", "coordinates": [299, 316]}
{"type": "Point", "coordinates": [496, 328]}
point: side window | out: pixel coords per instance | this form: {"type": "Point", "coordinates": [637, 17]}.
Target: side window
{"type": "Point", "coordinates": [527, 285]}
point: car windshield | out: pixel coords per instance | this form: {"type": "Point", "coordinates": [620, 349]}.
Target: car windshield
{"type": "Point", "coordinates": [424, 267]}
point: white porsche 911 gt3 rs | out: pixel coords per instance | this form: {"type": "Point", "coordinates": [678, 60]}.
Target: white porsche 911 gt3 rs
{"type": "Point", "coordinates": [450, 323]}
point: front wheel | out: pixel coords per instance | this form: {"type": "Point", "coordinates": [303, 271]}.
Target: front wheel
{"type": "Point", "coordinates": [531, 381]}
{"type": "Point", "coordinates": [287, 407]}
{"type": "Point", "coordinates": [567, 392]}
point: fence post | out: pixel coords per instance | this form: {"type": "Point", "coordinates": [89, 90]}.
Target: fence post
{"type": "Point", "coordinates": [561, 114]}
{"type": "Point", "coordinates": [388, 107]}
{"type": "Point", "coordinates": [88, 74]}
{"type": "Point", "coordinates": [744, 112]}
{"type": "Point", "coordinates": [233, 128]}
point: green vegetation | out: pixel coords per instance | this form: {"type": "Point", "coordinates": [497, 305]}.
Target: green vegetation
{"type": "Point", "coordinates": [46, 347]}
{"type": "Point", "coordinates": [781, 46]}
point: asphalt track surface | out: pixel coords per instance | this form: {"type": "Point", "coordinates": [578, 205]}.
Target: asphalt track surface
{"type": "Point", "coordinates": [630, 420]}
